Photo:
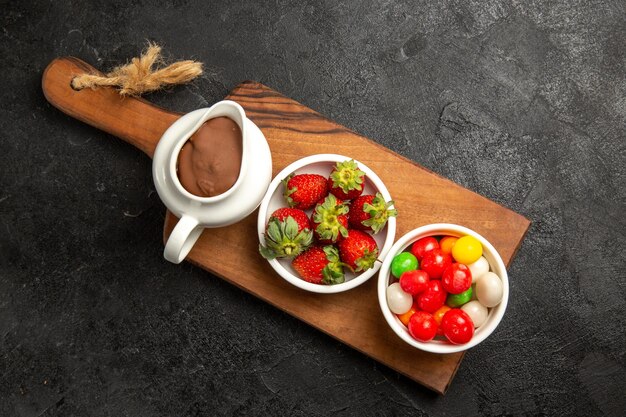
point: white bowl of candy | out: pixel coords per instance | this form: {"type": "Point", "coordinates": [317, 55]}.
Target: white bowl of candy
{"type": "Point", "coordinates": [443, 288]}
{"type": "Point", "coordinates": [320, 237]}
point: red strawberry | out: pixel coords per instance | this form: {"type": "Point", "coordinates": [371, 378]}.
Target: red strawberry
{"type": "Point", "coordinates": [298, 215]}
{"type": "Point", "coordinates": [330, 220]}
{"type": "Point", "coordinates": [346, 180]}
{"type": "Point", "coordinates": [358, 250]}
{"type": "Point", "coordinates": [319, 265]}
{"type": "Point", "coordinates": [370, 213]}
{"type": "Point", "coordinates": [288, 234]}
{"type": "Point", "coordinates": [302, 191]}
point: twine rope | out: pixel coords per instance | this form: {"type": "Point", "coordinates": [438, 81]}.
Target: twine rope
{"type": "Point", "coordinates": [139, 76]}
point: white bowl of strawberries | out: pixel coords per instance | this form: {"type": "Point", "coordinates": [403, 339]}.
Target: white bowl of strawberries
{"type": "Point", "coordinates": [443, 288]}
{"type": "Point", "coordinates": [325, 223]}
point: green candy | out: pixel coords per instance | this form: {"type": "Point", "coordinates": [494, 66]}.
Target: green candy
{"type": "Point", "coordinates": [403, 262]}
{"type": "Point", "coordinates": [457, 300]}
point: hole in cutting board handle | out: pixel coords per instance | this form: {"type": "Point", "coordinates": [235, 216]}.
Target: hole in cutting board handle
{"type": "Point", "coordinates": [72, 84]}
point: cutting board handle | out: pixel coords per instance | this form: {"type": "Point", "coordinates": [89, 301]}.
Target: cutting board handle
{"type": "Point", "coordinates": [134, 120]}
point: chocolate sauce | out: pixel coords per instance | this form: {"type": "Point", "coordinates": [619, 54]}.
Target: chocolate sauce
{"type": "Point", "coordinates": [210, 161]}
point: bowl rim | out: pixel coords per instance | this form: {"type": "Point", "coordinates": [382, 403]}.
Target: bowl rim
{"type": "Point", "coordinates": [496, 313]}
{"type": "Point", "coordinates": [383, 251]}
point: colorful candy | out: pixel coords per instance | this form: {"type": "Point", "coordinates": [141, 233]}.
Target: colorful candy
{"type": "Point", "coordinates": [399, 301]}
{"type": "Point", "coordinates": [423, 245]}
{"type": "Point", "coordinates": [445, 288]}
{"type": "Point", "coordinates": [477, 312]}
{"type": "Point", "coordinates": [447, 243]}
{"type": "Point", "coordinates": [403, 262]}
{"type": "Point", "coordinates": [438, 315]}
{"type": "Point", "coordinates": [404, 318]}
{"type": "Point", "coordinates": [414, 282]}
{"type": "Point", "coordinates": [456, 279]}
{"type": "Point", "coordinates": [467, 250]}
{"type": "Point", "coordinates": [457, 300]}
{"type": "Point", "coordinates": [422, 326]}
{"type": "Point", "coordinates": [457, 326]}
{"type": "Point", "coordinates": [478, 268]}
{"type": "Point", "coordinates": [489, 289]}
{"type": "Point", "coordinates": [433, 298]}
{"type": "Point", "coordinates": [435, 262]}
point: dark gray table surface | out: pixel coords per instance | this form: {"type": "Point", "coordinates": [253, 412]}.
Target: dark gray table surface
{"type": "Point", "coordinates": [523, 103]}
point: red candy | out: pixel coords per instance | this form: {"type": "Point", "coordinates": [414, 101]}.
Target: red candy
{"type": "Point", "coordinates": [457, 326]}
{"type": "Point", "coordinates": [456, 278]}
{"type": "Point", "coordinates": [414, 282]}
{"type": "Point", "coordinates": [422, 326]}
{"type": "Point", "coordinates": [435, 263]}
{"type": "Point", "coordinates": [425, 244]}
{"type": "Point", "coordinates": [433, 298]}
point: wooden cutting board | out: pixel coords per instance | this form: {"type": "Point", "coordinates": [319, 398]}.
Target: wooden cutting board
{"type": "Point", "coordinates": [294, 131]}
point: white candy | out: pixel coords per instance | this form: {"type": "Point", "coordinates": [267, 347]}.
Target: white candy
{"type": "Point", "coordinates": [477, 312]}
{"type": "Point", "coordinates": [489, 289]}
{"type": "Point", "coordinates": [478, 268]}
{"type": "Point", "coordinates": [399, 301]}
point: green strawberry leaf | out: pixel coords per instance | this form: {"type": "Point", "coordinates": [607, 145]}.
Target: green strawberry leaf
{"type": "Point", "coordinates": [366, 261]}
{"type": "Point", "coordinates": [379, 212]}
{"type": "Point", "coordinates": [326, 216]}
{"type": "Point", "coordinates": [347, 176]}
{"type": "Point", "coordinates": [333, 271]}
{"type": "Point", "coordinates": [333, 274]}
{"type": "Point", "coordinates": [274, 230]}
{"type": "Point", "coordinates": [290, 228]}
{"type": "Point", "coordinates": [289, 191]}
{"type": "Point", "coordinates": [332, 254]}
{"type": "Point", "coordinates": [282, 239]}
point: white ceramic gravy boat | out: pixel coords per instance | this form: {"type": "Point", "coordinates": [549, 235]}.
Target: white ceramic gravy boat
{"type": "Point", "coordinates": [197, 213]}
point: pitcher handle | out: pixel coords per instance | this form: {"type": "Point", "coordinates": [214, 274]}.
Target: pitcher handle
{"type": "Point", "coordinates": [182, 239]}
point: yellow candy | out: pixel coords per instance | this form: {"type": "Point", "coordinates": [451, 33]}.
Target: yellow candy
{"type": "Point", "coordinates": [467, 250]}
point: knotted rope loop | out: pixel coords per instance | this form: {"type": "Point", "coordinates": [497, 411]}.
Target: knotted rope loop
{"type": "Point", "coordinates": [139, 76]}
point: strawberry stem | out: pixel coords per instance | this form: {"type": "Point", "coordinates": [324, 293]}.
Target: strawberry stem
{"type": "Point", "coordinates": [284, 240]}
{"type": "Point", "coordinates": [347, 176]}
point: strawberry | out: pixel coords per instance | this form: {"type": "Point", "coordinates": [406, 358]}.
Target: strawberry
{"type": "Point", "coordinates": [330, 220]}
{"type": "Point", "coordinates": [346, 180]}
{"type": "Point", "coordinates": [358, 250]}
{"type": "Point", "coordinates": [298, 215]}
{"type": "Point", "coordinates": [302, 191]}
{"type": "Point", "coordinates": [319, 265]}
{"type": "Point", "coordinates": [288, 234]}
{"type": "Point", "coordinates": [370, 213]}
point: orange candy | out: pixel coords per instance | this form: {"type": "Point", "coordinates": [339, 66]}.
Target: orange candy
{"type": "Point", "coordinates": [404, 318]}
{"type": "Point", "coordinates": [446, 243]}
{"type": "Point", "coordinates": [438, 315]}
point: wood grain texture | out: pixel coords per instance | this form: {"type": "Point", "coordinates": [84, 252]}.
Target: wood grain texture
{"type": "Point", "coordinates": [294, 131]}
{"type": "Point", "coordinates": [134, 120]}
